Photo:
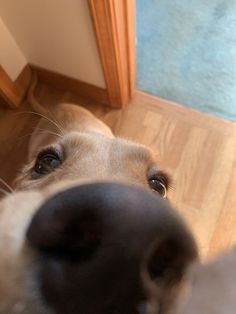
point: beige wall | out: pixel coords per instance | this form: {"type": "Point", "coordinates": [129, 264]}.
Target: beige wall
{"type": "Point", "coordinates": [11, 57]}
{"type": "Point", "coordinates": [55, 34]}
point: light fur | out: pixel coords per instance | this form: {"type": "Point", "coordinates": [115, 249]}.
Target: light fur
{"type": "Point", "coordinates": [92, 153]}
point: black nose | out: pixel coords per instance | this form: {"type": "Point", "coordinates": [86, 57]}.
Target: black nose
{"type": "Point", "coordinates": [105, 230]}
{"type": "Point", "coordinates": [74, 222]}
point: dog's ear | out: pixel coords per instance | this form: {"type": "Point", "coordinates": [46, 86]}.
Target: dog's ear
{"type": "Point", "coordinates": [62, 230]}
{"type": "Point", "coordinates": [164, 269]}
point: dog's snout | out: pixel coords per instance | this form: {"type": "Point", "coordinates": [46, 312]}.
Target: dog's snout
{"type": "Point", "coordinates": [104, 230]}
{"type": "Point", "coordinates": [73, 223]}
{"type": "Point", "coordinates": [78, 218]}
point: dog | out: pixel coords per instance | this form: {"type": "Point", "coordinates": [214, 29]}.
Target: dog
{"type": "Point", "coordinates": [85, 209]}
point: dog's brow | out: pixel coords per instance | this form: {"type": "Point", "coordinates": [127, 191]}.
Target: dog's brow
{"type": "Point", "coordinates": [75, 139]}
{"type": "Point", "coordinates": [139, 153]}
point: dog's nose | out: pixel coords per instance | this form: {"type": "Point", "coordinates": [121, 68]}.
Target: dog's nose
{"type": "Point", "coordinates": [74, 222]}
{"type": "Point", "coordinates": [94, 240]}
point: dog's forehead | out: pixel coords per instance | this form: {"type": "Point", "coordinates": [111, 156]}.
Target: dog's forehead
{"type": "Point", "coordinates": [78, 143]}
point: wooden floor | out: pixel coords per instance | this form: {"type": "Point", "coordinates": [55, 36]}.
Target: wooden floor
{"type": "Point", "coordinates": [199, 151]}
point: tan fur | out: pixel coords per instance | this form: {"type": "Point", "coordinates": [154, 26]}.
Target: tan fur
{"type": "Point", "coordinates": [92, 153]}
{"type": "Point", "coordinates": [18, 293]}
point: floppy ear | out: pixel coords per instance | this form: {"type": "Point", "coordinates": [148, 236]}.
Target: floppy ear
{"type": "Point", "coordinates": [163, 270]}
{"type": "Point", "coordinates": [63, 230]}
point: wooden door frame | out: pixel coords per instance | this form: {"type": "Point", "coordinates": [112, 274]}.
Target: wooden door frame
{"type": "Point", "coordinates": [115, 30]}
{"type": "Point", "coordinates": [114, 26]}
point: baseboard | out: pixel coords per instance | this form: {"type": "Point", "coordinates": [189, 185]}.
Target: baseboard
{"type": "Point", "coordinates": [75, 86]}
{"type": "Point", "coordinates": [13, 92]}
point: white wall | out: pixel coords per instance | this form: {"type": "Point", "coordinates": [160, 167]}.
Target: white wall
{"type": "Point", "coordinates": [11, 57]}
{"type": "Point", "coordinates": [55, 34]}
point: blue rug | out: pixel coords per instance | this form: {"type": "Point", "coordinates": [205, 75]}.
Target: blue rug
{"type": "Point", "coordinates": [186, 52]}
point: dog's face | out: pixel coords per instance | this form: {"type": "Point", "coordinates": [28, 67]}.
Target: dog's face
{"type": "Point", "coordinates": [83, 149]}
{"type": "Point", "coordinates": [89, 219]}
{"type": "Point", "coordinates": [88, 157]}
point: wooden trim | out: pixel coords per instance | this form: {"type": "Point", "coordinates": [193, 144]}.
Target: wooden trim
{"type": "Point", "coordinates": [114, 24]}
{"type": "Point", "coordinates": [13, 92]}
{"type": "Point", "coordinates": [75, 86]}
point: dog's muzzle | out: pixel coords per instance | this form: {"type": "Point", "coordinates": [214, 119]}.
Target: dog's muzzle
{"type": "Point", "coordinates": [93, 240]}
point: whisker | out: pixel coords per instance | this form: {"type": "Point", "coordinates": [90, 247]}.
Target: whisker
{"type": "Point", "coordinates": [49, 132]}
{"type": "Point", "coordinates": [6, 185]}
{"type": "Point", "coordinates": [46, 132]}
{"type": "Point", "coordinates": [60, 128]}
{"type": "Point", "coordinates": [59, 124]}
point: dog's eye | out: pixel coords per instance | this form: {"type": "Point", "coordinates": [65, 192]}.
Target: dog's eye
{"type": "Point", "coordinates": [47, 161]}
{"type": "Point", "coordinates": [157, 184]}
{"type": "Point", "coordinates": [158, 181]}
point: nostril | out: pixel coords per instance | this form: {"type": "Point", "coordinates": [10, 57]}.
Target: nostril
{"type": "Point", "coordinates": [65, 228]}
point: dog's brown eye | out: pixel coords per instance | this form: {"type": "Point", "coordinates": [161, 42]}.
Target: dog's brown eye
{"type": "Point", "coordinates": [159, 181]}
{"type": "Point", "coordinates": [158, 185]}
{"type": "Point", "coordinates": [47, 161]}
